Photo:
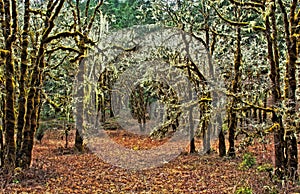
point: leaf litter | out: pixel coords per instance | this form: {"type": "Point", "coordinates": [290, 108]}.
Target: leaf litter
{"type": "Point", "coordinates": [56, 169]}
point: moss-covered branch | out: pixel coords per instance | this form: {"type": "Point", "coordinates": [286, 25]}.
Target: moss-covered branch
{"type": "Point", "coordinates": [250, 3]}
{"type": "Point", "coordinates": [50, 21]}
{"type": "Point", "coordinates": [249, 104]}
{"type": "Point", "coordinates": [89, 27]}
{"type": "Point", "coordinates": [57, 107]}
{"type": "Point", "coordinates": [59, 64]}
{"type": "Point", "coordinates": [68, 34]}
{"type": "Point", "coordinates": [231, 22]}
{"type": "Point", "coordinates": [62, 48]}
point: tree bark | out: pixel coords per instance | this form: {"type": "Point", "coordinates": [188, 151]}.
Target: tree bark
{"type": "Point", "coordinates": [1, 146]}
{"type": "Point", "coordinates": [231, 127]}
{"type": "Point", "coordinates": [22, 83]}
{"type": "Point", "coordinates": [78, 141]}
{"type": "Point", "coordinates": [290, 26]}
{"type": "Point", "coordinates": [222, 146]}
{"type": "Point", "coordinates": [2, 129]}
{"type": "Point", "coordinates": [9, 111]}
{"type": "Point", "coordinates": [273, 56]}
{"type": "Point", "coordinates": [10, 24]}
{"type": "Point", "coordinates": [80, 107]}
{"type": "Point", "coordinates": [34, 97]}
{"type": "Point", "coordinates": [232, 114]}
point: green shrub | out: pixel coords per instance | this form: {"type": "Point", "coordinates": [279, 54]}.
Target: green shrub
{"type": "Point", "coordinates": [265, 168]}
{"type": "Point", "coordinates": [243, 190]}
{"type": "Point", "coordinates": [270, 189]}
{"type": "Point", "coordinates": [248, 161]}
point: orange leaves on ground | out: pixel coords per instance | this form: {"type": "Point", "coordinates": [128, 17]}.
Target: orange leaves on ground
{"type": "Point", "coordinates": [56, 171]}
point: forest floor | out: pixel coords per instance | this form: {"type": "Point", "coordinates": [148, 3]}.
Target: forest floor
{"type": "Point", "coordinates": [56, 169]}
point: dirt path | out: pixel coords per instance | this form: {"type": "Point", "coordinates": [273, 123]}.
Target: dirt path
{"type": "Point", "coordinates": [59, 170]}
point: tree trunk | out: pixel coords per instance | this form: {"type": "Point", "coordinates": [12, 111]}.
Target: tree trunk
{"type": "Point", "coordinates": [33, 107]}
{"type": "Point", "coordinates": [78, 141]}
{"type": "Point", "coordinates": [232, 114]}
{"type": "Point", "coordinates": [231, 127]}
{"type": "Point", "coordinates": [22, 83]}
{"type": "Point", "coordinates": [192, 133]}
{"type": "Point", "coordinates": [2, 129]}
{"type": "Point", "coordinates": [265, 100]}
{"type": "Point", "coordinates": [111, 113]}
{"type": "Point", "coordinates": [9, 114]}
{"type": "Point", "coordinates": [140, 106]}
{"type": "Point", "coordinates": [80, 106]}
{"type": "Point", "coordinates": [280, 166]}
{"type": "Point", "coordinates": [1, 146]}
{"type": "Point", "coordinates": [190, 117]}
{"type": "Point", "coordinates": [206, 132]}
{"type": "Point", "coordinates": [222, 145]}
{"type": "Point", "coordinates": [28, 133]}
{"type": "Point", "coordinates": [206, 125]}
{"type": "Point", "coordinates": [273, 56]}
{"type": "Point", "coordinates": [290, 25]}
{"type": "Point", "coordinates": [9, 106]}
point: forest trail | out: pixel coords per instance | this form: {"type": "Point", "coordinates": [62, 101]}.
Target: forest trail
{"type": "Point", "coordinates": [56, 169]}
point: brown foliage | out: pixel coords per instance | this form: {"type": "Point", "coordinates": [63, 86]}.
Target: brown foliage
{"type": "Point", "coordinates": [64, 170]}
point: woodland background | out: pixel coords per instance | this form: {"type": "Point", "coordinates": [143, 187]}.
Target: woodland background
{"type": "Point", "coordinates": [254, 43]}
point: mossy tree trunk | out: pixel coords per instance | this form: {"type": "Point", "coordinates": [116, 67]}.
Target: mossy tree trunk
{"type": "Point", "coordinates": [190, 116]}
{"type": "Point", "coordinates": [1, 132]}
{"type": "Point", "coordinates": [18, 149]}
{"type": "Point", "coordinates": [285, 140]}
{"type": "Point", "coordinates": [80, 108]}
{"type": "Point", "coordinates": [290, 26]}
{"type": "Point", "coordinates": [140, 106]}
{"type": "Point", "coordinates": [232, 115]}
{"type": "Point", "coordinates": [2, 62]}
{"type": "Point", "coordinates": [1, 147]}
{"type": "Point", "coordinates": [273, 56]}
{"type": "Point", "coordinates": [10, 29]}
{"type": "Point", "coordinates": [235, 86]}
{"type": "Point", "coordinates": [82, 43]}
{"type": "Point", "coordinates": [222, 147]}
{"type": "Point", "coordinates": [34, 96]}
{"type": "Point", "coordinates": [22, 101]}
